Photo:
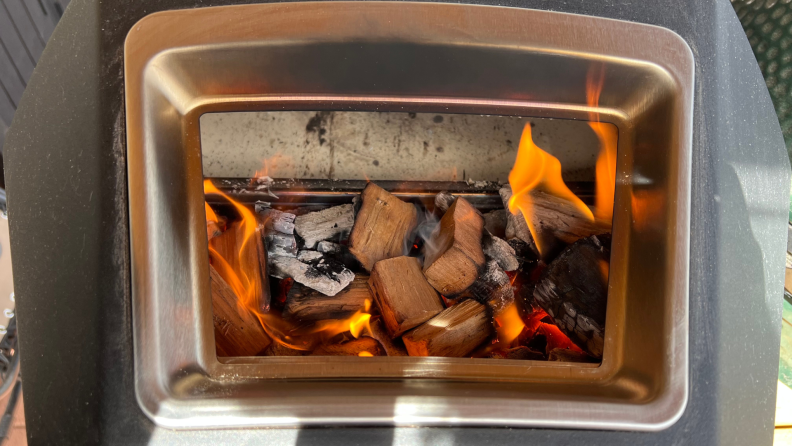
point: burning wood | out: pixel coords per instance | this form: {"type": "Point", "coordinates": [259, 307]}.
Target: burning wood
{"type": "Point", "coordinates": [392, 347]}
{"type": "Point", "coordinates": [240, 252]}
{"type": "Point", "coordinates": [306, 304]}
{"type": "Point", "coordinates": [493, 288]}
{"type": "Point", "coordinates": [237, 331]}
{"type": "Point", "coordinates": [573, 291]}
{"type": "Point", "coordinates": [404, 297]}
{"type": "Point", "coordinates": [454, 254]}
{"type": "Point", "coordinates": [497, 249]}
{"type": "Point", "coordinates": [363, 346]}
{"type": "Point", "coordinates": [443, 201]}
{"type": "Point", "coordinates": [382, 227]}
{"type": "Point", "coordinates": [455, 332]}
{"type": "Point", "coordinates": [555, 220]}
{"type": "Point", "coordinates": [334, 222]}
{"type": "Point", "coordinates": [327, 277]}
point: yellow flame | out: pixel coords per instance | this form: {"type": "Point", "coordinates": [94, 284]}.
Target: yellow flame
{"type": "Point", "coordinates": [210, 213]}
{"type": "Point", "coordinates": [365, 354]}
{"type": "Point", "coordinates": [608, 140]}
{"type": "Point", "coordinates": [536, 169]}
{"type": "Point", "coordinates": [510, 324]}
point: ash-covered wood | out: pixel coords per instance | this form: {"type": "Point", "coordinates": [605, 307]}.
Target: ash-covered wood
{"type": "Point", "coordinates": [453, 252]}
{"type": "Point", "coordinates": [495, 248]}
{"type": "Point", "coordinates": [565, 355]}
{"type": "Point", "coordinates": [253, 262]}
{"type": "Point", "coordinates": [522, 353]}
{"type": "Point", "coordinates": [443, 201]}
{"type": "Point", "coordinates": [382, 228]}
{"type": "Point", "coordinates": [492, 288]}
{"type": "Point", "coordinates": [306, 304]}
{"type": "Point", "coordinates": [524, 252]}
{"type": "Point", "coordinates": [237, 331]}
{"type": "Point", "coordinates": [393, 347]}
{"type": "Point", "coordinates": [329, 247]}
{"type": "Point", "coordinates": [275, 220]}
{"type": "Point", "coordinates": [363, 346]}
{"type": "Point", "coordinates": [335, 222]}
{"type": "Point", "coordinates": [404, 297]}
{"type": "Point", "coordinates": [496, 221]}
{"type": "Point", "coordinates": [573, 290]}
{"type": "Point", "coordinates": [455, 332]}
{"type": "Point", "coordinates": [279, 244]}
{"type": "Point", "coordinates": [327, 277]}
{"type": "Point", "coordinates": [306, 255]}
{"type": "Point", "coordinates": [340, 253]}
{"type": "Point", "coordinates": [556, 222]}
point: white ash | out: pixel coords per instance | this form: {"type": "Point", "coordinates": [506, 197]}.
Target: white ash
{"type": "Point", "coordinates": [500, 251]}
{"type": "Point", "coordinates": [279, 244]}
{"type": "Point", "coordinates": [308, 256]}
{"type": "Point", "coordinates": [265, 183]}
{"type": "Point", "coordinates": [443, 201]}
{"type": "Point", "coordinates": [329, 247]}
{"type": "Point", "coordinates": [275, 220]}
{"type": "Point", "coordinates": [327, 277]}
{"type": "Point", "coordinates": [336, 221]}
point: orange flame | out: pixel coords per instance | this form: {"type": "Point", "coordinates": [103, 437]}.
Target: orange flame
{"type": "Point", "coordinates": [365, 354]}
{"type": "Point", "coordinates": [509, 325]}
{"type": "Point", "coordinates": [248, 289]}
{"type": "Point", "coordinates": [534, 168]}
{"type": "Point", "coordinates": [608, 139]}
{"type": "Point", "coordinates": [277, 165]}
{"type": "Point", "coordinates": [210, 213]}
{"type": "Point", "coordinates": [357, 324]}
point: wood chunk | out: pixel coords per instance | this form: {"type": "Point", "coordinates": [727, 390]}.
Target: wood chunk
{"type": "Point", "coordinates": [455, 332]}
{"type": "Point", "coordinates": [492, 288]}
{"type": "Point", "coordinates": [443, 201]}
{"type": "Point", "coordinates": [403, 295]}
{"type": "Point", "coordinates": [573, 290]}
{"type": "Point", "coordinates": [496, 221]}
{"type": "Point", "coordinates": [306, 304]}
{"type": "Point", "coordinates": [275, 220]}
{"type": "Point", "coordinates": [328, 278]}
{"type": "Point", "coordinates": [555, 220]}
{"type": "Point", "coordinates": [365, 345]}
{"type": "Point", "coordinates": [229, 244]}
{"type": "Point", "coordinates": [382, 228]}
{"type": "Point", "coordinates": [334, 222]}
{"type": "Point", "coordinates": [279, 244]}
{"type": "Point", "coordinates": [564, 355]}
{"type": "Point", "coordinates": [495, 248]}
{"type": "Point", "coordinates": [524, 252]}
{"type": "Point", "coordinates": [522, 353]}
{"type": "Point", "coordinates": [393, 347]}
{"type": "Point", "coordinates": [238, 332]}
{"type": "Point", "coordinates": [453, 253]}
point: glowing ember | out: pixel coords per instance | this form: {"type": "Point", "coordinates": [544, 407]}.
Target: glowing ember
{"type": "Point", "coordinates": [608, 138]}
{"type": "Point", "coordinates": [536, 169]}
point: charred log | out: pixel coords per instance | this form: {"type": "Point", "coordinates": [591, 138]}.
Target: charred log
{"type": "Point", "coordinates": [573, 290]}
{"type": "Point", "coordinates": [306, 304]}
{"type": "Point", "coordinates": [332, 223]}
{"type": "Point", "coordinates": [327, 277]}
{"type": "Point", "coordinates": [364, 346]}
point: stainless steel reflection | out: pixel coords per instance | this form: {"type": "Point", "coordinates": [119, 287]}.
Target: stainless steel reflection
{"type": "Point", "coordinates": [407, 57]}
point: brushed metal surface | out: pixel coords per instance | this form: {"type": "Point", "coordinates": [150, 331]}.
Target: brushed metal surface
{"type": "Point", "coordinates": [411, 57]}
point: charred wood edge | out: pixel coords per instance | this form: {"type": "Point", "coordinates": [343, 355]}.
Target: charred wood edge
{"type": "Point", "coordinates": [308, 192]}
